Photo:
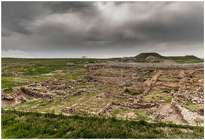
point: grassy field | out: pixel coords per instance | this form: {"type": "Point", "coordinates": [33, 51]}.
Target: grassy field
{"type": "Point", "coordinates": [37, 67]}
{"type": "Point", "coordinates": [16, 124]}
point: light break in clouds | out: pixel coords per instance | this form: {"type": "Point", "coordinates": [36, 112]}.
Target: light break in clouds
{"type": "Point", "coordinates": [101, 29]}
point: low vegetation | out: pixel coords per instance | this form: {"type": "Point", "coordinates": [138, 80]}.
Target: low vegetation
{"type": "Point", "coordinates": [178, 59]}
{"type": "Point", "coordinates": [186, 59]}
{"type": "Point", "coordinates": [17, 124]}
{"type": "Point", "coordinates": [71, 84]}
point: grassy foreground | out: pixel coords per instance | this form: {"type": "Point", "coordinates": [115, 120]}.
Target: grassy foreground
{"type": "Point", "coordinates": [16, 124]}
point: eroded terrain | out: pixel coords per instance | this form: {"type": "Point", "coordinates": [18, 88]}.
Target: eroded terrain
{"type": "Point", "coordinates": [167, 92]}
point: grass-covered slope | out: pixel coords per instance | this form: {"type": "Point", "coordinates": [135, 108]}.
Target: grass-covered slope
{"type": "Point", "coordinates": [16, 124]}
{"type": "Point", "coordinates": [186, 59]}
{"type": "Point", "coordinates": [143, 56]}
{"type": "Point", "coordinates": [178, 59]}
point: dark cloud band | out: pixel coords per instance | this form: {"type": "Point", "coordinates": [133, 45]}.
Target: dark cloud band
{"type": "Point", "coordinates": [101, 26]}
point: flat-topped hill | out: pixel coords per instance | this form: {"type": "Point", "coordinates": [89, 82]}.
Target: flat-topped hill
{"type": "Point", "coordinates": [157, 58]}
{"type": "Point", "coordinates": [143, 56]}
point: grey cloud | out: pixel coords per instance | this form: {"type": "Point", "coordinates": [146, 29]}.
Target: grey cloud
{"type": "Point", "coordinates": [64, 7]}
{"type": "Point", "coordinates": [118, 27]}
{"type": "Point", "coordinates": [17, 16]}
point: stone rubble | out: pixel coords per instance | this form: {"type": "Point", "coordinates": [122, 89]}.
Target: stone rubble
{"type": "Point", "coordinates": [12, 73]}
{"type": "Point", "coordinates": [190, 117]}
{"type": "Point", "coordinates": [34, 93]}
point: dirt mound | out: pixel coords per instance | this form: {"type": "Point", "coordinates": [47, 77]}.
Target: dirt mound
{"type": "Point", "coordinates": [165, 112]}
{"type": "Point", "coordinates": [34, 93]}
{"type": "Point", "coordinates": [55, 85]}
{"type": "Point", "coordinates": [6, 97]}
{"type": "Point", "coordinates": [143, 56]}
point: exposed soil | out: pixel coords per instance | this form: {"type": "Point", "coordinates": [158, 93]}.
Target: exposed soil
{"type": "Point", "coordinates": [8, 103]}
{"type": "Point", "coordinates": [127, 85]}
{"type": "Point", "coordinates": [166, 112]}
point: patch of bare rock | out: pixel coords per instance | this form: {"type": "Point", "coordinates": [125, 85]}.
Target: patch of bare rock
{"type": "Point", "coordinates": [190, 117]}
{"type": "Point", "coordinates": [34, 93]}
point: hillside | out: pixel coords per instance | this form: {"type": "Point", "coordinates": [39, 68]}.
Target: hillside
{"type": "Point", "coordinates": [143, 56]}
{"type": "Point", "coordinates": [186, 59]}
{"type": "Point", "coordinates": [157, 58]}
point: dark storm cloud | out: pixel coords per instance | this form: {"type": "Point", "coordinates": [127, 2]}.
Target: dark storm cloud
{"type": "Point", "coordinates": [64, 7]}
{"type": "Point", "coordinates": [16, 17]}
{"type": "Point", "coordinates": [113, 27]}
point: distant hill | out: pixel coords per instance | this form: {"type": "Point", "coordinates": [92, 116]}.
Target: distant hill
{"type": "Point", "coordinates": [157, 58]}
{"type": "Point", "coordinates": [143, 56]}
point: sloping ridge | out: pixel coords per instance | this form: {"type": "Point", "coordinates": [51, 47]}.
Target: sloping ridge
{"type": "Point", "coordinates": [179, 59]}
{"type": "Point", "coordinates": [150, 55]}
{"type": "Point", "coordinates": [143, 56]}
{"type": "Point", "coordinates": [187, 58]}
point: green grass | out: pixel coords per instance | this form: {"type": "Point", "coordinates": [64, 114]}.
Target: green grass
{"type": "Point", "coordinates": [8, 90]}
{"type": "Point", "coordinates": [35, 89]}
{"type": "Point", "coordinates": [152, 95]}
{"type": "Point", "coordinates": [140, 58]}
{"type": "Point", "coordinates": [131, 93]}
{"type": "Point", "coordinates": [143, 56]}
{"type": "Point", "coordinates": [16, 124]}
{"type": "Point", "coordinates": [39, 67]}
{"type": "Point", "coordinates": [12, 81]}
{"type": "Point", "coordinates": [52, 126]}
{"type": "Point", "coordinates": [42, 66]}
{"type": "Point", "coordinates": [143, 114]}
{"type": "Point", "coordinates": [165, 89]}
{"type": "Point", "coordinates": [193, 107]}
{"type": "Point", "coordinates": [186, 59]}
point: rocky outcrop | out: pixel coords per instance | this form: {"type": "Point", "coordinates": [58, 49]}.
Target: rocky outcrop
{"type": "Point", "coordinates": [34, 93]}
{"type": "Point", "coordinates": [190, 117]}
{"type": "Point", "coordinates": [5, 96]}
{"type": "Point", "coordinates": [195, 96]}
{"type": "Point", "coordinates": [55, 85]}
{"type": "Point", "coordinates": [151, 58]}
{"type": "Point", "coordinates": [21, 99]}
{"type": "Point", "coordinates": [105, 109]}
{"type": "Point", "coordinates": [151, 82]}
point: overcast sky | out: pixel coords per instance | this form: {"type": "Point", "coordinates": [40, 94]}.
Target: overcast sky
{"type": "Point", "coordinates": [101, 29]}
